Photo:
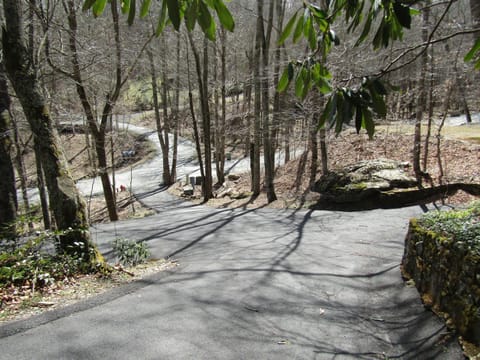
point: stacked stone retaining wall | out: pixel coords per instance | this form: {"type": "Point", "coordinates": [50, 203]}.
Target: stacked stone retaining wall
{"type": "Point", "coordinates": [447, 275]}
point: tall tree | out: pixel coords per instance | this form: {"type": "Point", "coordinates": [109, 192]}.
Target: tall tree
{"type": "Point", "coordinates": [67, 205]}
{"type": "Point", "coordinates": [97, 130]}
{"type": "Point", "coordinates": [257, 102]}
{"type": "Point", "coordinates": [220, 117]}
{"type": "Point", "coordinates": [202, 80]}
{"type": "Point", "coordinates": [162, 129]}
{"type": "Point", "coordinates": [268, 148]}
{"type": "Point", "coordinates": [42, 191]}
{"type": "Point", "coordinates": [8, 200]}
{"type": "Point", "coordinates": [277, 97]}
{"type": "Point", "coordinates": [421, 102]}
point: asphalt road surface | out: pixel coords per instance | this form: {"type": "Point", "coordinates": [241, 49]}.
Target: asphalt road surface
{"type": "Point", "coordinates": [251, 284]}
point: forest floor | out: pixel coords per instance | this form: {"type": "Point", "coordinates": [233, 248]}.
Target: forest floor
{"type": "Point", "coordinates": [455, 159]}
{"type": "Point", "coordinates": [21, 302]}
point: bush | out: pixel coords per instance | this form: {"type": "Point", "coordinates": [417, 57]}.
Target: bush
{"type": "Point", "coordinates": [462, 226]}
{"type": "Point", "coordinates": [34, 262]}
{"type": "Point", "coordinates": [129, 252]}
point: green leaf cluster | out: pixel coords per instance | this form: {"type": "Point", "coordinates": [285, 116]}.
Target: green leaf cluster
{"type": "Point", "coordinates": [360, 105]}
{"type": "Point", "coordinates": [314, 24]}
{"type": "Point", "coordinates": [305, 75]}
{"type": "Point", "coordinates": [174, 12]}
{"type": "Point", "coordinates": [130, 252]}
{"type": "Point", "coordinates": [394, 15]}
{"type": "Point", "coordinates": [474, 54]}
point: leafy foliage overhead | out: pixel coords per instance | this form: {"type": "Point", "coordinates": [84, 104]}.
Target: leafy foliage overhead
{"type": "Point", "coordinates": [174, 12]}
{"type": "Point", "coordinates": [474, 54]}
{"type": "Point", "coordinates": [315, 25]}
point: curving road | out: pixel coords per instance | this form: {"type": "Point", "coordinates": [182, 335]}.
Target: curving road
{"type": "Point", "coordinates": [252, 284]}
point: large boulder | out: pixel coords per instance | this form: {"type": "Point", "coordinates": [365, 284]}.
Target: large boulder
{"type": "Point", "coordinates": [380, 184]}
{"type": "Point", "coordinates": [361, 185]}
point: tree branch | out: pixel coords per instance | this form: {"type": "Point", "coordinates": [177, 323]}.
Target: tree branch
{"type": "Point", "coordinates": [425, 45]}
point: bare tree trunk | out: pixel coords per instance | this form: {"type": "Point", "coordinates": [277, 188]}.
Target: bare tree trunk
{"type": "Point", "coordinates": [176, 115]}
{"type": "Point", "coordinates": [286, 134]}
{"type": "Point", "coordinates": [461, 84]}
{"type": "Point", "coordinates": [91, 159]}
{"type": "Point", "coordinates": [22, 173]}
{"type": "Point", "coordinates": [173, 171]}
{"type": "Point", "coordinates": [268, 150]}
{"type": "Point", "coordinates": [194, 120]}
{"type": "Point", "coordinates": [112, 160]}
{"type": "Point", "coordinates": [41, 187]}
{"type": "Point", "coordinates": [280, 10]}
{"type": "Point", "coordinates": [68, 206]}
{"type": "Point", "coordinates": [439, 132]}
{"type": "Point", "coordinates": [216, 105]}
{"type": "Point", "coordinates": [247, 108]}
{"type": "Point", "coordinates": [430, 103]}
{"type": "Point", "coordinates": [166, 120]}
{"type": "Point", "coordinates": [314, 151]}
{"type": "Point", "coordinates": [196, 136]}
{"type": "Point", "coordinates": [220, 118]}
{"type": "Point", "coordinates": [98, 131]}
{"type": "Point", "coordinates": [160, 133]}
{"type": "Point", "coordinates": [202, 78]}
{"type": "Point", "coordinates": [257, 102]}
{"type": "Point", "coordinates": [208, 194]}
{"type": "Point", "coordinates": [223, 80]}
{"type": "Point", "coordinates": [420, 104]}
{"type": "Point", "coordinates": [8, 198]}
{"type": "Point", "coordinates": [323, 150]}
{"type": "Point", "coordinates": [302, 163]}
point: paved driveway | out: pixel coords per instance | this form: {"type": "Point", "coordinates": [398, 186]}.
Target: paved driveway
{"type": "Point", "coordinates": [261, 284]}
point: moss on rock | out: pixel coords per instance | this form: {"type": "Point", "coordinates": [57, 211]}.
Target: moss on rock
{"type": "Point", "coordinates": [442, 258]}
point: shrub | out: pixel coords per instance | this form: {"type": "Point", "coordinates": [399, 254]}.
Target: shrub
{"type": "Point", "coordinates": [34, 262]}
{"type": "Point", "coordinates": [130, 252]}
{"type": "Point", "coordinates": [462, 226]}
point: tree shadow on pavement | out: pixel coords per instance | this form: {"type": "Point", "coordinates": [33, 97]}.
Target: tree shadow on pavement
{"type": "Point", "coordinates": [326, 298]}
{"type": "Point", "coordinates": [269, 284]}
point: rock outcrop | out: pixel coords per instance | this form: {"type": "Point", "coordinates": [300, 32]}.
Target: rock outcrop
{"type": "Point", "coordinates": [362, 185]}
{"type": "Point", "coordinates": [380, 183]}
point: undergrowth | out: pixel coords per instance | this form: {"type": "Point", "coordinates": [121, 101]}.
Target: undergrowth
{"type": "Point", "coordinates": [129, 252]}
{"type": "Point", "coordinates": [34, 262]}
{"type": "Point", "coordinates": [33, 258]}
{"type": "Point", "coordinates": [462, 225]}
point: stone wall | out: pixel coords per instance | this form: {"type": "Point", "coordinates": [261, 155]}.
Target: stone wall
{"type": "Point", "coordinates": [447, 275]}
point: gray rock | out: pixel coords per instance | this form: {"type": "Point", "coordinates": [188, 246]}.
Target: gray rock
{"type": "Point", "coordinates": [362, 182]}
